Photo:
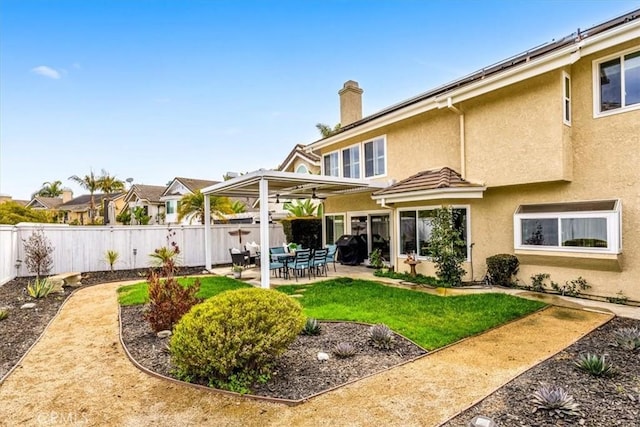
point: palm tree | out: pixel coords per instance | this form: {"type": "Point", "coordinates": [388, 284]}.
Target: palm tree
{"type": "Point", "coordinates": [304, 208]}
{"type": "Point", "coordinates": [192, 206]}
{"type": "Point", "coordinates": [51, 189]}
{"type": "Point", "coordinates": [326, 130]}
{"type": "Point", "coordinates": [91, 183]}
{"type": "Point", "coordinates": [238, 207]}
{"type": "Point", "coordinates": [109, 184]}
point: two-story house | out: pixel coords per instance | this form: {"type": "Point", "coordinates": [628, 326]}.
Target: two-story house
{"type": "Point", "coordinates": [146, 198]}
{"type": "Point", "coordinates": [538, 155]}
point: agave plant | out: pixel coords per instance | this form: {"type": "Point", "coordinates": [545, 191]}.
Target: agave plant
{"type": "Point", "coordinates": [39, 288]}
{"type": "Point", "coordinates": [344, 350]}
{"type": "Point", "coordinates": [556, 400]}
{"type": "Point", "coordinates": [311, 327]}
{"type": "Point", "coordinates": [595, 365]}
{"type": "Point", "coordinates": [627, 338]}
{"type": "Point", "coordinates": [381, 336]}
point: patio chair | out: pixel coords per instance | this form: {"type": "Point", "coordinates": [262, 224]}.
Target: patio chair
{"type": "Point", "coordinates": [331, 255]}
{"type": "Point", "coordinates": [239, 258]}
{"type": "Point", "coordinates": [275, 265]}
{"type": "Point", "coordinates": [319, 262]}
{"type": "Point", "coordinates": [301, 263]}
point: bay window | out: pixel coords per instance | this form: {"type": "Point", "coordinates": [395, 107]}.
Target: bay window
{"type": "Point", "coordinates": [416, 226]}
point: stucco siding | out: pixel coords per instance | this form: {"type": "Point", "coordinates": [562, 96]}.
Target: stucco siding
{"type": "Point", "coordinates": [515, 135]}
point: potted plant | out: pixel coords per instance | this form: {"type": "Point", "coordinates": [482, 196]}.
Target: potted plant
{"type": "Point", "coordinates": [237, 271]}
{"type": "Point", "coordinates": [293, 247]}
{"type": "Point", "coordinates": [375, 259]}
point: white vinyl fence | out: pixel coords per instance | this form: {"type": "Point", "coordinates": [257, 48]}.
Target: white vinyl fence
{"type": "Point", "coordinates": [83, 248]}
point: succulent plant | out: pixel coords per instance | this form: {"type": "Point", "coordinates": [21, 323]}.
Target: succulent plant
{"type": "Point", "coordinates": [311, 327]}
{"type": "Point", "coordinates": [595, 365]}
{"type": "Point", "coordinates": [627, 338]}
{"type": "Point", "coordinates": [344, 350]}
{"type": "Point", "coordinates": [381, 336]}
{"type": "Point", "coordinates": [556, 400]}
{"type": "Point", "coordinates": [4, 314]}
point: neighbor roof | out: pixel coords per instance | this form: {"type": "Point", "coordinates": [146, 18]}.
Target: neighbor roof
{"type": "Point", "coordinates": [82, 203]}
{"type": "Point", "coordinates": [150, 193]}
{"type": "Point", "coordinates": [45, 202]}
{"type": "Point", "coordinates": [195, 184]}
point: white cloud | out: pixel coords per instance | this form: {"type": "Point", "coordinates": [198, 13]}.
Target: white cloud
{"type": "Point", "coordinates": [45, 71]}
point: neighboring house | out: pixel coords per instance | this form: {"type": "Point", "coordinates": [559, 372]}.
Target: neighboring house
{"type": "Point", "coordinates": [172, 194]}
{"type": "Point", "coordinates": [76, 210]}
{"type": "Point", "coordinates": [7, 198]}
{"type": "Point", "coordinates": [538, 155]}
{"type": "Point", "coordinates": [51, 205]}
{"type": "Point", "coordinates": [148, 198]}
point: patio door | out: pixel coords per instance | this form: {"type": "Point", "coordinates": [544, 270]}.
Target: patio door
{"type": "Point", "coordinates": [375, 228]}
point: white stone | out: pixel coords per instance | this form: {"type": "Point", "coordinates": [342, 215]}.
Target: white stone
{"type": "Point", "coordinates": [28, 305]}
{"type": "Point", "coordinates": [164, 334]}
{"type": "Point", "coordinates": [322, 356]}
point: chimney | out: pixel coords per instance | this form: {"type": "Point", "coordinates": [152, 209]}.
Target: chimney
{"type": "Point", "coordinates": [350, 103]}
{"type": "Point", "coordinates": [66, 195]}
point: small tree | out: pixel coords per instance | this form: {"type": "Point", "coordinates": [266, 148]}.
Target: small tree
{"type": "Point", "coordinates": [37, 253]}
{"type": "Point", "coordinates": [447, 247]}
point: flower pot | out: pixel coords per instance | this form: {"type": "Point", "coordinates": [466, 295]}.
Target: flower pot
{"type": "Point", "coordinates": [237, 274]}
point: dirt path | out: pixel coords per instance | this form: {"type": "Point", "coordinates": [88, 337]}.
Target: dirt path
{"type": "Point", "coordinates": [78, 374]}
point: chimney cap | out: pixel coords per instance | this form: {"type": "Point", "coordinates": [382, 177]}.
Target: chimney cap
{"type": "Point", "coordinates": [350, 85]}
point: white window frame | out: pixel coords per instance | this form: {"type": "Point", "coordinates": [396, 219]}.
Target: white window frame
{"type": "Point", "coordinates": [596, 84]}
{"type": "Point", "coordinates": [428, 208]}
{"type": "Point", "coordinates": [339, 166]}
{"type": "Point", "coordinates": [364, 157]}
{"type": "Point", "coordinates": [360, 169]}
{"type": "Point", "coordinates": [324, 225]}
{"type": "Point", "coordinates": [566, 99]}
{"type": "Point", "coordinates": [614, 230]}
{"type": "Point", "coordinates": [302, 168]}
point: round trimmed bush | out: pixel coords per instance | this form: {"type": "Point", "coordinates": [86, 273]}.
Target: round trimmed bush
{"type": "Point", "coordinates": [236, 334]}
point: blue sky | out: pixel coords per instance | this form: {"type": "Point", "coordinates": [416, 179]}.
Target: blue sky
{"type": "Point", "coordinates": [157, 89]}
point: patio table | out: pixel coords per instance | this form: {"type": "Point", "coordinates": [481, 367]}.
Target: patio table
{"type": "Point", "coordinates": [285, 259]}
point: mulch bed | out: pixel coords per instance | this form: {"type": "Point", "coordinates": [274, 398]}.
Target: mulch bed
{"type": "Point", "coordinates": [298, 374]}
{"type": "Point", "coordinates": [611, 401]}
{"type": "Point", "coordinates": [23, 326]}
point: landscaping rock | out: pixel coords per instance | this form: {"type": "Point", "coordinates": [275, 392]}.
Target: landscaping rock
{"type": "Point", "coordinates": [164, 334]}
{"type": "Point", "coordinates": [322, 356]}
{"type": "Point", "coordinates": [28, 305]}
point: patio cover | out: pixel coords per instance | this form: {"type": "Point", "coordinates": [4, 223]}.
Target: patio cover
{"type": "Point", "coordinates": [268, 183]}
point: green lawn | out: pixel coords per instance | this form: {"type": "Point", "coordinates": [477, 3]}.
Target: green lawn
{"type": "Point", "coordinates": [429, 320]}
{"type": "Point", "coordinates": [138, 293]}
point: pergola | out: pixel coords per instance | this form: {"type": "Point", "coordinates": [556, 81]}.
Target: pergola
{"type": "Point", "coordinates": [265, 184]}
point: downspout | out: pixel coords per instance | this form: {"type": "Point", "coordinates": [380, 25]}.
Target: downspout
{"type": "Point", "coordinates": [463, 157]}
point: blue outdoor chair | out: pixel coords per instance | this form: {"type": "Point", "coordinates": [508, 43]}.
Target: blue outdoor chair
{"type": "Point", "coordinates": [319, 262]}
{"type": "Point", "coordinates": [331, 255]}
{"type": "Point", "coordinates": [301, 263]}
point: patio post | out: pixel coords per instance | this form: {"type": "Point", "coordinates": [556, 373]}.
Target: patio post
{"type": "Point", "coordinates": [207, 233]}
{"type": "Point", "coordinates": [264, 234]}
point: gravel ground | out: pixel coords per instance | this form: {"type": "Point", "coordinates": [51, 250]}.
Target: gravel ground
{"type": "Point", "coordinates": [613, 401]}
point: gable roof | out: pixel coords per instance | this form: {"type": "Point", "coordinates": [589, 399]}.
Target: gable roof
{"type": "Point", "coordinates": [431, 184]}
{"type": "Point", "coordinates": [81, 203]}
{"type": "Point", "coordinates": [298, 151]}
{"type": "Point", "coordinates": [538, 60]}
{"type": "Point", "coordinates": [190, 184]}
{"type": "Point", "coordinates": [40, 202]}
{"type": "Point", "coordinates": [150, 193]}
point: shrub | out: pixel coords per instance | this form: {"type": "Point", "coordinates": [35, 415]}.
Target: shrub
{"type": "Point", "coordinates": [233, 338]}
{"type": "Point", "coordinates": [595, 365]}
{"type": "Point", "coordinates": [447, 249]}
{"type": "Point", "coordinates": [381, 337]}
{"type": "Point", "coordinates": [572, 288]}
{"type": "Point", "coordinates": [501, 268]}
{"type": "Point", "coordinates": [556, 400]}
{"type": "Point", "coordinates": [111, 257]}
{"type": "Point", "coordinates": [39, 288]}
{"type": "Point", "coordinates": [419, 279]}
{"type": "Point", "coordinates": [37, 253]}
{"type": "Point", "coordinates": [627, 338]}
{"type": "Point", "coordinates": [311, 327]}
{"type": "Point", "coordinates": [344, 350]}
{"type": "Point", "coordinates": [537, 282]}
{"type": "Point", "coordinates": [4, 314]}
{"type": "Point", "coordinates": [168, 301]}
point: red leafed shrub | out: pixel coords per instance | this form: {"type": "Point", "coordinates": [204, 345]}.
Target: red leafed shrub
{"type": "Point", "coordinates": [168, 299]}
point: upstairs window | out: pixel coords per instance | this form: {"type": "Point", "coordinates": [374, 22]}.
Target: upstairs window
{"type": "Point", "coordinates": [618, 83]}
{"type": "Point", "coordinates": [572, 227]}
{"type": "Point", "coordinates": [375, 157]}
{"type": "Point", "coordinates": [331, 164]}
{"type": "Point", "coordinates": [351, 162]}
{"type": "Point", "coordinates": [566, 106]}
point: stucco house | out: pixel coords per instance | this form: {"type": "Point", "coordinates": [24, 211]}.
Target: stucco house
{"type": "Point", "coordinates": [76, 210]}
{"type": "Point", "coordinates": [173, 192]}
{"type": "Point", "coordinates": [51, 204]}
{"type": "Point", "coordinates": [147, 197]}
{"type": "Point", "coordinates": [537, 154]}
